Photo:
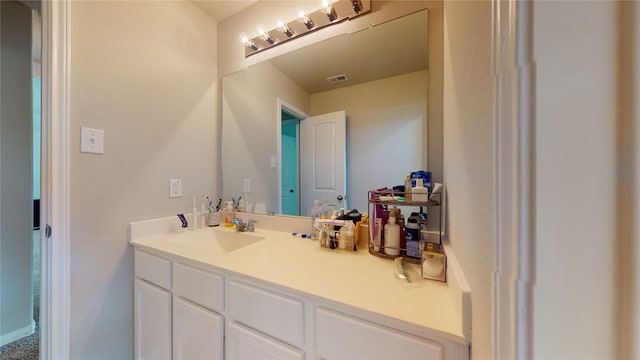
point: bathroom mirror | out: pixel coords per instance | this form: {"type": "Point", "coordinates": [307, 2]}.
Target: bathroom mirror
{"type": "Point", "coordinates": [378, 77]}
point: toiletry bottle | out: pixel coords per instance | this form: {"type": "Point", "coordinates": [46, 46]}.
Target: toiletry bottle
{"type": "Point", "coordinates": [350, 236]}
{"type": "Point", "coordinates": [377, 235]}
{"type": "Point", "coordinates": [407, 187]}
{"type": "Point", "coordinates": [392, 237]}
{"type": "Point", "coordinates": [342, 238]}
{"type": "Point", "coordinates": [203, 220]}
{"type": "Point", "coordinates": [229, 214]}
{"type": "Point", "coordinates": [324, 209]}
{"type": "Point", "coordinates": [315, 216]}
{"type": "Point", "coordinates": [194, 215]}
{"type": "Point", "coordinates": [412, 238]}
{"type": "Point", "coordinates": [419, 193]}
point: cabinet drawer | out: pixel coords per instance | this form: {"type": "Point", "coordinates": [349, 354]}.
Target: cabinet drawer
{"type": "Point", "coordinates": [199, 286]}
{"type": "Point", "coordinates": [341, 336]}
{"type": "Point", "coordinates": [274, 314]}
{"type": "Point", "coordinates": [153, 268]}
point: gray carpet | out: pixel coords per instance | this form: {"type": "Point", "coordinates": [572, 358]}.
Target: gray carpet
{"type": "Point", "coordinates": [28, 348]}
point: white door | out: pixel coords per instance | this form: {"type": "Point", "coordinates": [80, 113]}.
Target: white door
{"type": "Point", "coordinates": [323, 160]}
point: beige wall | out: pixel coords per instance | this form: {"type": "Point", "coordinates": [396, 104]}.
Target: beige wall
{"type": "Point", "coordinates": [249, 108]}
{"type": "Point", "coordinates": [468, 155]}
{"type": "Point", "coordinates": [16, 300]}
{"type": "Point", "coordinates": [385, 130]}
{"type": "Point", "coordinates": [145, 73]}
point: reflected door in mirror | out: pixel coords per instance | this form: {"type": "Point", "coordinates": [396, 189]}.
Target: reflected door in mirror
{"type": "Point", "coordinates": [323, 160]}
{"type": "Point", "coordinates": [290, 191]}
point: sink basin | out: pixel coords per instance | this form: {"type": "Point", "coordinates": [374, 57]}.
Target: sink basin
{"type": "Point", "coordinates": [216, 241]}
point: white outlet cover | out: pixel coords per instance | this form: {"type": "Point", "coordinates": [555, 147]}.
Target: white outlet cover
{"type": "Point", "coordinates": [175, 188]}
{"type": "Point", "coordinates": [247, 185]}
{"type": "Point", "coordinates": [91, 140]}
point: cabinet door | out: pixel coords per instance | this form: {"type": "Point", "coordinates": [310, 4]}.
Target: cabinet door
{"type": "Point", "coordinates": [340, 336]}
{"type": "Point", "coordinates": [197, 332]}
{"type": "Point", "coordinates": [244, 343]}
{"type": "Point", "coordinates": [152, 322]}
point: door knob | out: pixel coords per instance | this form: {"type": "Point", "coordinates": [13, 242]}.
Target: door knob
{"type": "Point", "coordinates": [290, 190]}
{"type": "Point", "coordinates": [339, 197]}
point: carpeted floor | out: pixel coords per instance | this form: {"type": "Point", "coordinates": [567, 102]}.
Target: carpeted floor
{"type": "Point", "coordinates": [28, 348]}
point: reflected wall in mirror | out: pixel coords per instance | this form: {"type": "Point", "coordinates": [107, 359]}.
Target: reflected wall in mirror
{"type": "Point", "coordinates": [385, 100]}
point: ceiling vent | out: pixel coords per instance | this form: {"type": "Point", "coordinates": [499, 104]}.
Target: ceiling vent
{"type": "Point", "coordinates": [337, 79]}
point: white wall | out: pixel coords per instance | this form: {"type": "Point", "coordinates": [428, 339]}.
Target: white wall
{"type": "Point", "coordinates": [16, 299]}
{"type": "Point", "coordinates": [385, 130]}
{"type": "Point", "coordinates": [586, 295]}
{"type": "Point", "coordinates": [145, 73]}
{"type": "Point", "coordinates": [468, 155]}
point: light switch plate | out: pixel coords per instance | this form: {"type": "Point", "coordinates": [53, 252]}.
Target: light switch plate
{"type": "Point", "coordinates": [91, 140]}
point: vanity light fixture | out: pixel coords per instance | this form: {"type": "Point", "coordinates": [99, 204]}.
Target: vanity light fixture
{"type": "Point", "coordinates": [268, 38]}
{"type": "Point", "coordinates": [327, 12]}
{"type": "Point", "coordinates": [249, 44]}
{"type": "Point", "coordinates": [305, 20]}
{"type": "Point", "coordinates": [285, 29]}
{"type": "Point", "coordinates": [357, 6]}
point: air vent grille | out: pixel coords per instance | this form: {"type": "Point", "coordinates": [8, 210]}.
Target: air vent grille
{"type": "Point", "coordinates": [337, 79]}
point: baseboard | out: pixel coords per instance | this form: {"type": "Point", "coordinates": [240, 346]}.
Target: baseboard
{"type": "Point", "coordinates": [18, 334]}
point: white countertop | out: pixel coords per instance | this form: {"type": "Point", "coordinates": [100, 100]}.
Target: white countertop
{"type": "Point", "coordinates": [352, 278]}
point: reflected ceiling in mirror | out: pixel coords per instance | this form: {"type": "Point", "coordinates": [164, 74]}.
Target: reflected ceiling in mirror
{"type": "Point", "coordinates": [393, 48]}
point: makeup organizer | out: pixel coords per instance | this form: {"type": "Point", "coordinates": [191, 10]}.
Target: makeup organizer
{"type": "Point", "coordinates": [427, 250]}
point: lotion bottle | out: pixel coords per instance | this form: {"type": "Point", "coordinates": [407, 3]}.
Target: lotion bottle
{"type": "Point", "coordinates": [392, 237]}
{"type": "Point", "coordinates": [419, 193]}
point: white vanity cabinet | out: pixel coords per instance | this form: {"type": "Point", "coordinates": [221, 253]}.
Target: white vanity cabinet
{"type": "Point", "coordinates": [266, 323]}
{"type": "Point", "coordinates": [244, 343]}
{"type": "Point", "coordinates": [188, 310]}
{"type": "Point", "coordinates": [152, 309]}
{"type": "Point", "coordinates": [341, 336]}
{"type": "Point", "coordinates": [198, 326]}
{"type": "Point", "coordinates": [177, 310]}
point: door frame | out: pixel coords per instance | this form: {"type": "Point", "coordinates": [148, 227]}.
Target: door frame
{"type": "Point", "coordinates": [514, 179]}
{"type": "Point", "coordinates": [55, 287]}
{"type": "Point", "coordinates": [283, 105]}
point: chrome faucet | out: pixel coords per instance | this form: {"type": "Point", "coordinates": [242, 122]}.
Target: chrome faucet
{"type": "Point", "coordinates": [241, 226]}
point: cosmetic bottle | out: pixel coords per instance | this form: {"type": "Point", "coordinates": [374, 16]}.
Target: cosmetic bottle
{"type": "Point", "coordinates": [392, 237]}
{"type": "Point", "coordinates": [419, 193]}
{"type": "Point", "coordinates": [407, 188]}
